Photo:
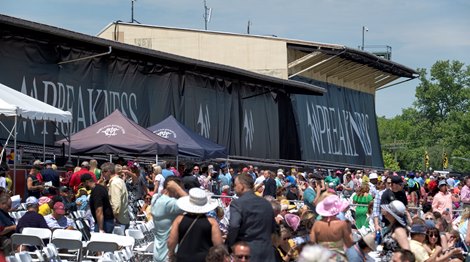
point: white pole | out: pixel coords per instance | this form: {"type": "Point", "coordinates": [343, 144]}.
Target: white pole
{"type": "Point", "coordinates": [44, 142]}
{"type": "Point", "coordinates": [156, 159]}
{"type": "Point", "coordinates": [110, 158]}
{"type": "Point", "coordinates": [14, 160]}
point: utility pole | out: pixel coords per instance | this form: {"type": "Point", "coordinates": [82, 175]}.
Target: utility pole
{"type": "Point", "coordinates": [248, 27]}
{"type": "Point", "coordinates": [364, 29]}
{"type": "Point", "coordinates": [132, 12]}
{"type": "Point", "coordinates": [206, 15]}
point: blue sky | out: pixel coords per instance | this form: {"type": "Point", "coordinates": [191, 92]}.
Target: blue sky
{"type": "Point", "coordinates": [420, 32]}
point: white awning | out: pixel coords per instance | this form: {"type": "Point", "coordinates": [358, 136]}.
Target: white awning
{"type": "Point", "coordinates": [16, 103]}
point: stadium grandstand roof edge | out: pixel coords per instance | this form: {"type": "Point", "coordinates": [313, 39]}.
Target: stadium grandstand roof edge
{"type": "Point", "coordinates": [345, 52]}
{"type": "Point", "coordinates": [283, 85]}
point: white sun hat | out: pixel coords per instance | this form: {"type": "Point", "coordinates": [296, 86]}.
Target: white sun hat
{"type": "Point", "coordinates": [197, 202]}
{"type": "Point", "coordinates": [397, 209]}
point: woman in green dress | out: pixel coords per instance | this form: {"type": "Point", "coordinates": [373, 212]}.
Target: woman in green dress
{"type": "Point", "coordinates": [362, 198]}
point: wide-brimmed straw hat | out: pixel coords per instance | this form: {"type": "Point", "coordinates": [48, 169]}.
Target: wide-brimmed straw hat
{"type": "Point", "coordinates": [397, 209]}
{"type": "Point", "coordinates": [331, 206]}
{"type": "Point", "coordinates": [369, 239]}
{"type": "Point", "coordinates": [197, 202]}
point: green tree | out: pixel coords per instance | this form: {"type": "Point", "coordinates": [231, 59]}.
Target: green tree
{"type": "Point", "coordinates": [389, 162]}
{"type": "Point", "coordinates": [438, 121]}
{"type": "Point", "coordinates": [446, 90]}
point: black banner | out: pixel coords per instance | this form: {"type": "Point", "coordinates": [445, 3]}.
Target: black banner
{"type": "Point", "coordinates": [145, 92]}
{"type": "Point", "coordinates": [338, 127]}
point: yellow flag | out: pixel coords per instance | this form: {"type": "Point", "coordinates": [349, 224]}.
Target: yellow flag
{"type": "Point", "coordinates": [445, 161]}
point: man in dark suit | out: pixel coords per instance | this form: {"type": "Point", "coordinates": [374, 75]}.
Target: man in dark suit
{"type": "Point", "coordinates": [251, 220]}
{"type": "Point", "coordinates": [191, 180]}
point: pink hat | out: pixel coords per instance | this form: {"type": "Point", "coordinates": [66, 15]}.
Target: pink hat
{"type": "Point", "coordinates": [293, 221]}
{"type": "Point", "coordinates": [43, 200]}
{"type": "Point", "coordinates": [331, 206]}
{"type": "Point", "coordinates": [59, 208]}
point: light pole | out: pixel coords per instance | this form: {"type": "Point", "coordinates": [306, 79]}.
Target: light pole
{"type": "Point", "coordinates": [364, 29]}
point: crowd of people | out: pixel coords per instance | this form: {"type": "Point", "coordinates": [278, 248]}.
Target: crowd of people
{"type": "Point", "coordinates": [217, 212]}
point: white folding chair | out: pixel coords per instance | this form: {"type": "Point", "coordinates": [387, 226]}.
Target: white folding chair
{"type": "Point", "coordinates": [42, 233]}
{"type": "Point", "coordinates": [30, 240]}
{"type": "Point", "coordinates": [150, 225]}
{"type": "Point", "coordinates": [12, 259]}
{"type": "Point", "coordinates": [128, 254]}
{"type": "Point", "coordinates": [119, 256]}
{"type": "Point", "coordinates": [118, 230]}
{"type": "Point", "coordinates": [39, 255]}
{"type": "Point", "coordinates": [137, 235]}
{"type": "Point", "coordinates": [69, 241]}
{"type": "Point", "coordinates": [50, 252]}
{"type": "Point", "coordinates": [99, 246]}
{"type": "Point", "coordinates": [24, 257]}
{"type": "Point", "coordinates": [142, 248]}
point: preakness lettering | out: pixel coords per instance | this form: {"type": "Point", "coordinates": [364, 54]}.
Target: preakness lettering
{"type": "Point", "coordinates": [334, 131]}
{"type": "Point", "coordinates": [83, 103]}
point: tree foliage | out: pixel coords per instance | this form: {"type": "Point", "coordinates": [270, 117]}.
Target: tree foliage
{"type": "Point", "coordinates": [438, 122]}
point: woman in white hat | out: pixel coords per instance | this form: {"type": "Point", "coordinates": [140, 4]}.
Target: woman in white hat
{"type": "Point", "coordinates": [331, 232]}
{"type": "Point", "coordinates": [396, 235]}
{"type": "Point", "coordinates": [194, 233]}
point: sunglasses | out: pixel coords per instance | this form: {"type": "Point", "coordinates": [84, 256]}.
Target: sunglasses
{"type": "Point", "coordinates": [428, 218]}
{"type": "Point", "coordinates": [433, 235]}
{"type": "Point", "coordinates": [242, 256]}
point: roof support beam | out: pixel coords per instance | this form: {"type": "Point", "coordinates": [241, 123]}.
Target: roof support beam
{"type": "Point", "coordinates": [385, 81]}
{"type": "Point", "coordinates": [349, 70]}
{"type": "Point", "coordinates": [303, 59]}
{"type": "Point", "coordinates": [369, 78]}
{"type": "Point", "coordinates": [315, 65]}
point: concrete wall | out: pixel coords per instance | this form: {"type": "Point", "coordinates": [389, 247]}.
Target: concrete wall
{"type": "Point", "coordinates": [257, 54]}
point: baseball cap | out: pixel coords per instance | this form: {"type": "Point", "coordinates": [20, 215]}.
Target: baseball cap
{"type": "Point", "coordinates": [442, 183]}
{"type": "Point", "coordinates": [418, 229]}
{"type": "Point", "coordinates": [59, 208]}
{"type": "Point", "coordinates": [397, 180]}
{"type": "Point", "coordinates": [30, 201]}
{"type": "Point", "coordinates": [374, 176]}
{"type": "Point", "coordinates": [37, 162]}
{"type": "Point", "coordinates": [85, 164]}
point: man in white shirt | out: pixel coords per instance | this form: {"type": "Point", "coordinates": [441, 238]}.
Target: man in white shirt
{"type": "Point", "coordinates": [58, 219]}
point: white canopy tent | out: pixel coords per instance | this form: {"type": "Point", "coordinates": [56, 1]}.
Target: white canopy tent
{"type": "Point", "coordinates": [16, 104]}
